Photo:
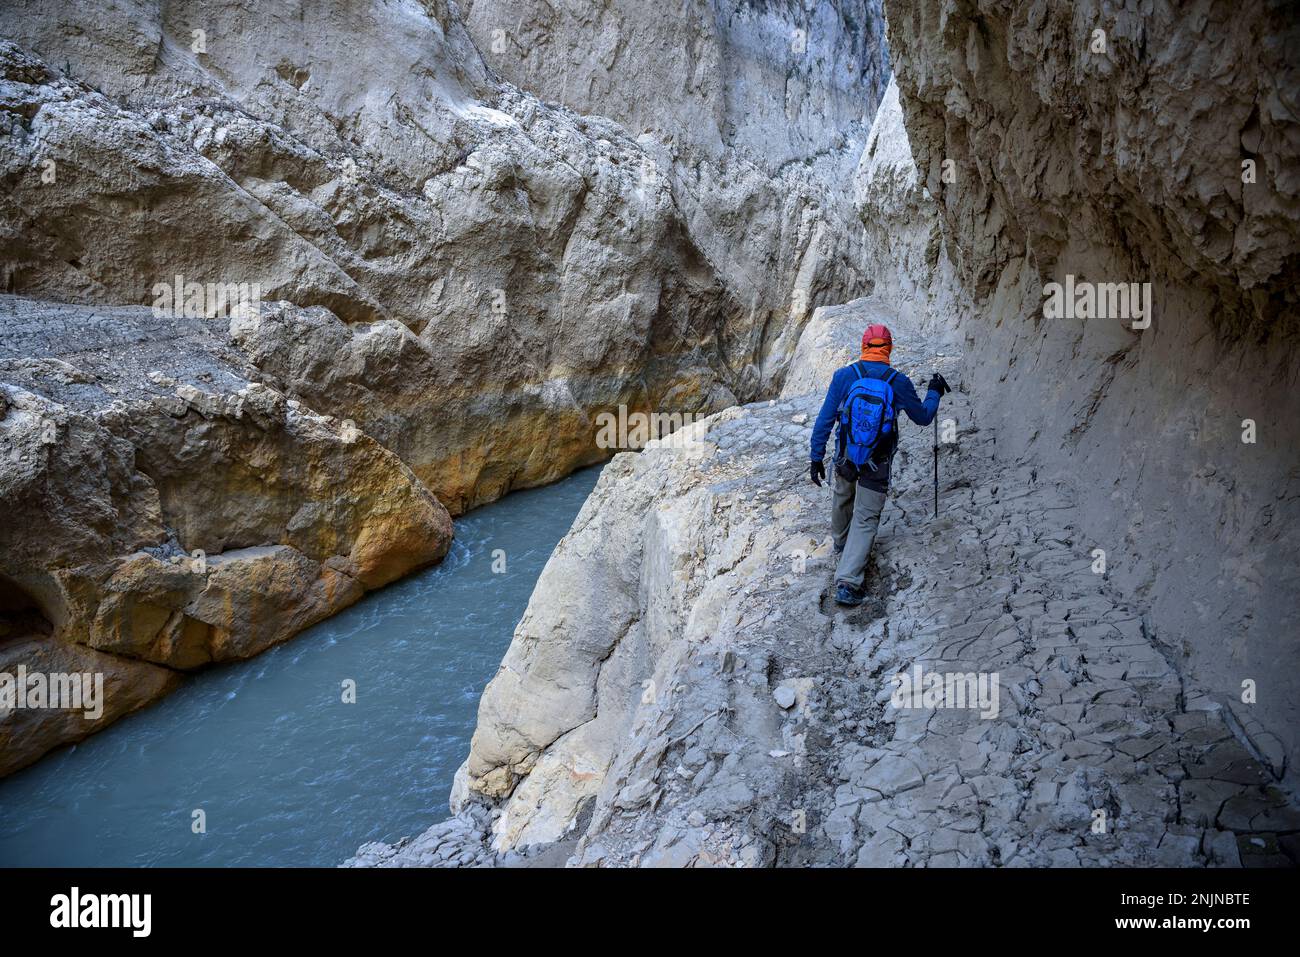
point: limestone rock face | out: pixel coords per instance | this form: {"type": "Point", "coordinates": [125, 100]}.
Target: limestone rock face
{"type": "Point", "coordinates": [1139, 131]}
{"type": "Point", "coordinates": [128, 684]}
{"type": "Point", "coordinates": [1017, 148]}
{"type": "Point", "coordinates": [164, 509]}
{"type": "Point", "coordinates": [1164, 150]}
{"type": "Point", "coordinates": [531, 265]}
{"type": "Point", "coordinates": [626, 641]}
{"type": "Point", "coordinates": [683, 691]}
{"type": "Point", "coordinates": [904, 243]}
{"type": "Point", "coordinates": [441, 278]}
{"type": "Point", "coordinates": [715, 61]}
{"type": "Point", "coordinates": [747, 166]}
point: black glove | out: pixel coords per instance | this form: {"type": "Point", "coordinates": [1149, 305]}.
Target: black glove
{"type": "Point", "coordinates": [939, 384]}
{"type": "Point", "coordinates": [817, 473]}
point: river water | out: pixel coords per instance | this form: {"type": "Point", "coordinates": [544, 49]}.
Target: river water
{"type": "Point", "coordinates": [284, 772]}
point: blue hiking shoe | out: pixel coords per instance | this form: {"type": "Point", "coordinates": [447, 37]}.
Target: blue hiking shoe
{"type": "Point", "coordinates": [848, 595]}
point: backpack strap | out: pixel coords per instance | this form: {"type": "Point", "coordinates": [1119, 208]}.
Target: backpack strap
{"type": "Point", "coordinates": [864, 373]}
{"type": "Point", "coordinates": [889, 380]}
{"type": "Point", "coordinates": [861, 373]}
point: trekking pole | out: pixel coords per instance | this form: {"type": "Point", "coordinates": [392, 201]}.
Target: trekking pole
{"type": "Point", "coordinates": [935, 422]}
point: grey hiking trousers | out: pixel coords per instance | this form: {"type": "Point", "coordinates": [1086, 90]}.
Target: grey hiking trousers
{"type": "Point", "coordinates": [855, 517]}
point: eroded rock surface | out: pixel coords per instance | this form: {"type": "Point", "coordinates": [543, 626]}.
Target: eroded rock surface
{"type": "Point", "coordinates": [1164, 150]}
{"type": "Point", "coordinates": [500, 266]}
{"type": "Point", "coordinates": [1109, 545]}
{"type": "Point", "coordinates": [683, 692]}
{"type": "Point", "coordinates": [449, 268]}
{"type": "Point", "coordinates": [168, 510]}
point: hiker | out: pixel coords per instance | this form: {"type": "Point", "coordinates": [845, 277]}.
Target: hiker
{"type": "Point", "coordinates": [863, 401]}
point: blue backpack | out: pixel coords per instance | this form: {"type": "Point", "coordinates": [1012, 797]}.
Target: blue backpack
{"type": "Point", "coordinates": [866, 415]}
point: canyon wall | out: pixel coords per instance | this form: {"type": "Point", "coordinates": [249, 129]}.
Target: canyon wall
{"type": "Point", "coordinates": [1118, 539]}
{"type": "Point", "coordinates": [499, 267]}
{"type": "Point", "coordinates": [288, 283]}
{"type": "Point", "coordinates": [165, 510]}
{"type": "Point", "coordinates": [1131, 143]}
{"type": "Point", "coordinates": [753, 106]}
{"type": "Point", "coordinates": [682, 690]}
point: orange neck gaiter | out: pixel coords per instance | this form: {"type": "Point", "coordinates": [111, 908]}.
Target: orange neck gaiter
{"type": "Point", "coordinates": [877, 353]}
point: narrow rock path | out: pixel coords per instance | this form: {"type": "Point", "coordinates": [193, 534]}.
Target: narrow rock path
{"type": "Point", "coordinates": [1098, 754]}
{"type": "Point", "coordinates": [756, 727]}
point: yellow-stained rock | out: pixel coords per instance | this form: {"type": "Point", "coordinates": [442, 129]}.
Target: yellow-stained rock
{"type": "Point", "coordinates": [25, 735]}
{"type": "Point", "coordinates": [151, 521]}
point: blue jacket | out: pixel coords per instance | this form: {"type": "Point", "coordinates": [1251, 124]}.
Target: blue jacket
{"type": "Point", "coordinates": [905, 398]}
